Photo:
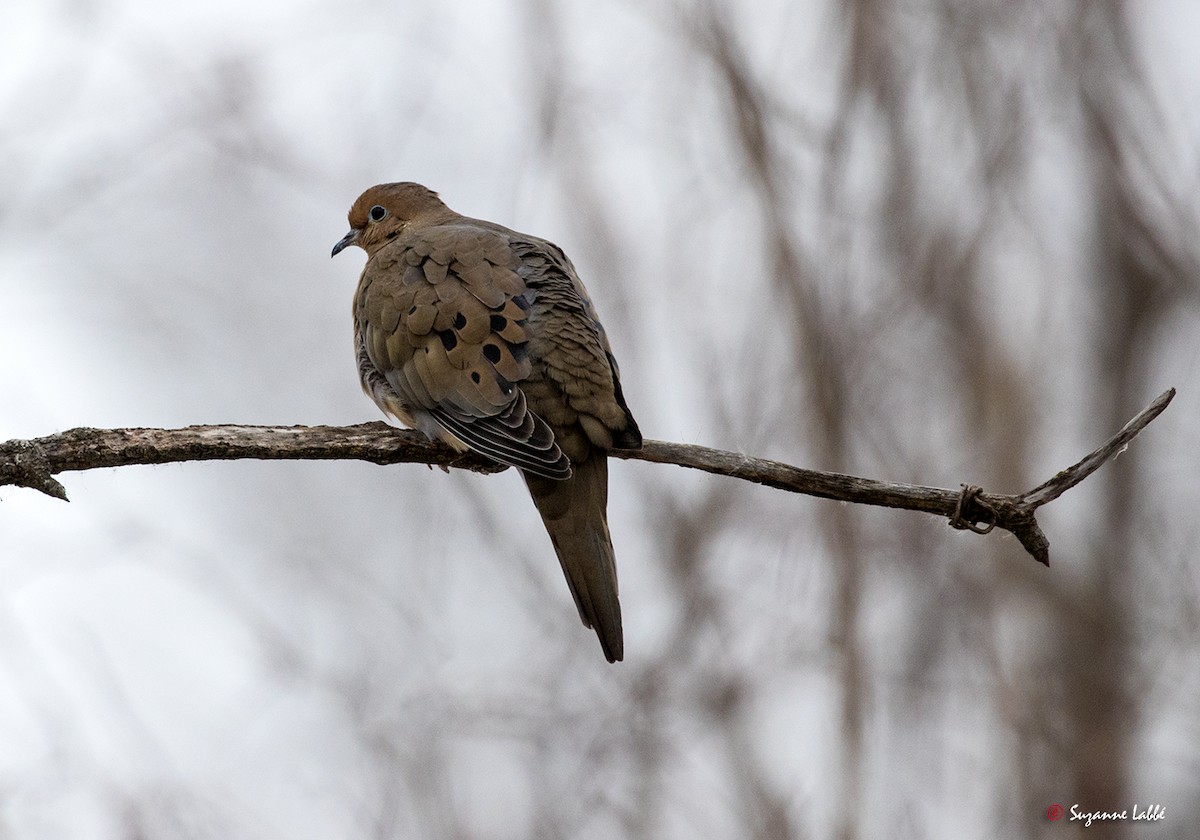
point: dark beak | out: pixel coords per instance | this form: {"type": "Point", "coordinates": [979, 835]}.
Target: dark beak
{"type": "Point", "coordinates": [350, 238]}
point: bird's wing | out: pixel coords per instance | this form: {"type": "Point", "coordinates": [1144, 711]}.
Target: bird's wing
{"type": "Point", "coordinates": [577, 383]}
{"type": "Point", "coordinates": [442, 314]}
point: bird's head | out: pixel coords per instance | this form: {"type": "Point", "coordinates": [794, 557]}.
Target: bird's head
{"type": "Point", "coordinates": [382, 213]}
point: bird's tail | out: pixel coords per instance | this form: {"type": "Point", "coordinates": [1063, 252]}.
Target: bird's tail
{"type": "Point", "coordinates": [574, 510]}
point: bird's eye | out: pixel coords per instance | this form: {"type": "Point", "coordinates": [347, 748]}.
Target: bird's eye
{"type": "Point", "coordinates": [377, 213]}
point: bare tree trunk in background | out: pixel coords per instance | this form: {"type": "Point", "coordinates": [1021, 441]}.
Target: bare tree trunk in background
{"type": "Point", "coordinates": [822, 343]}
{"type": "Point", "coordinates": [1137, 282]}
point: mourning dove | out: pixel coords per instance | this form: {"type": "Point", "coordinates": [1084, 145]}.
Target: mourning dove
{"type": "Point", "coordinates": [485, 338]}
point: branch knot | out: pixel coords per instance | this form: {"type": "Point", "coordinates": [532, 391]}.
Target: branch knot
{"type": "Point", "coordinates": [963, 520]}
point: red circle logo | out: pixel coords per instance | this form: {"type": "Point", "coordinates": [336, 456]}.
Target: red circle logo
{"type": "Point", "coordinates": [1054, 812]}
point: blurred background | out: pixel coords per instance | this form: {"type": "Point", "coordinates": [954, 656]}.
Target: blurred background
{"type": "Point", "coordinates": [931, 241]}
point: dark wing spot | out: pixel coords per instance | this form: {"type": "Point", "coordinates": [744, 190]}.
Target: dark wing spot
{"type": "Point", "coordinates": [490, 352]}
{"type": "Point", "coordinates": [498, 323]}
{"type": "Point", "coordinates": [475, 376]}
{"type": "Point", "coordinates": [450, 341]}
{"type": "Point", "coordinates": [460, 321]}
{"type": "Point", "coordinates": [412, 309]}
{"type": "Point", "coordinates": [520, 301]}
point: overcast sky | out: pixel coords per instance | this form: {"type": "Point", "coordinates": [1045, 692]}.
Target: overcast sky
{"type": "Point", "coordinates": [312, 650]}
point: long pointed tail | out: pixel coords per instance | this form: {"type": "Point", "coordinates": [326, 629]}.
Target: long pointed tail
{"type": "Point", "coordinates": [574, 511]}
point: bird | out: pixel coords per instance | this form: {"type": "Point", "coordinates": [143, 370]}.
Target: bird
{"type": "Point", "coordinates": [485, 338]}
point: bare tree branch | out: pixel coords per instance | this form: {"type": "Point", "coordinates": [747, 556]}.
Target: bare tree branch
{"type": "Point", "coordinates": [33, 463]}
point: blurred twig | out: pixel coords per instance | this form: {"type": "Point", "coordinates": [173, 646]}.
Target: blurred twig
{"type": "Point", "coordinates": [33, 463]}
